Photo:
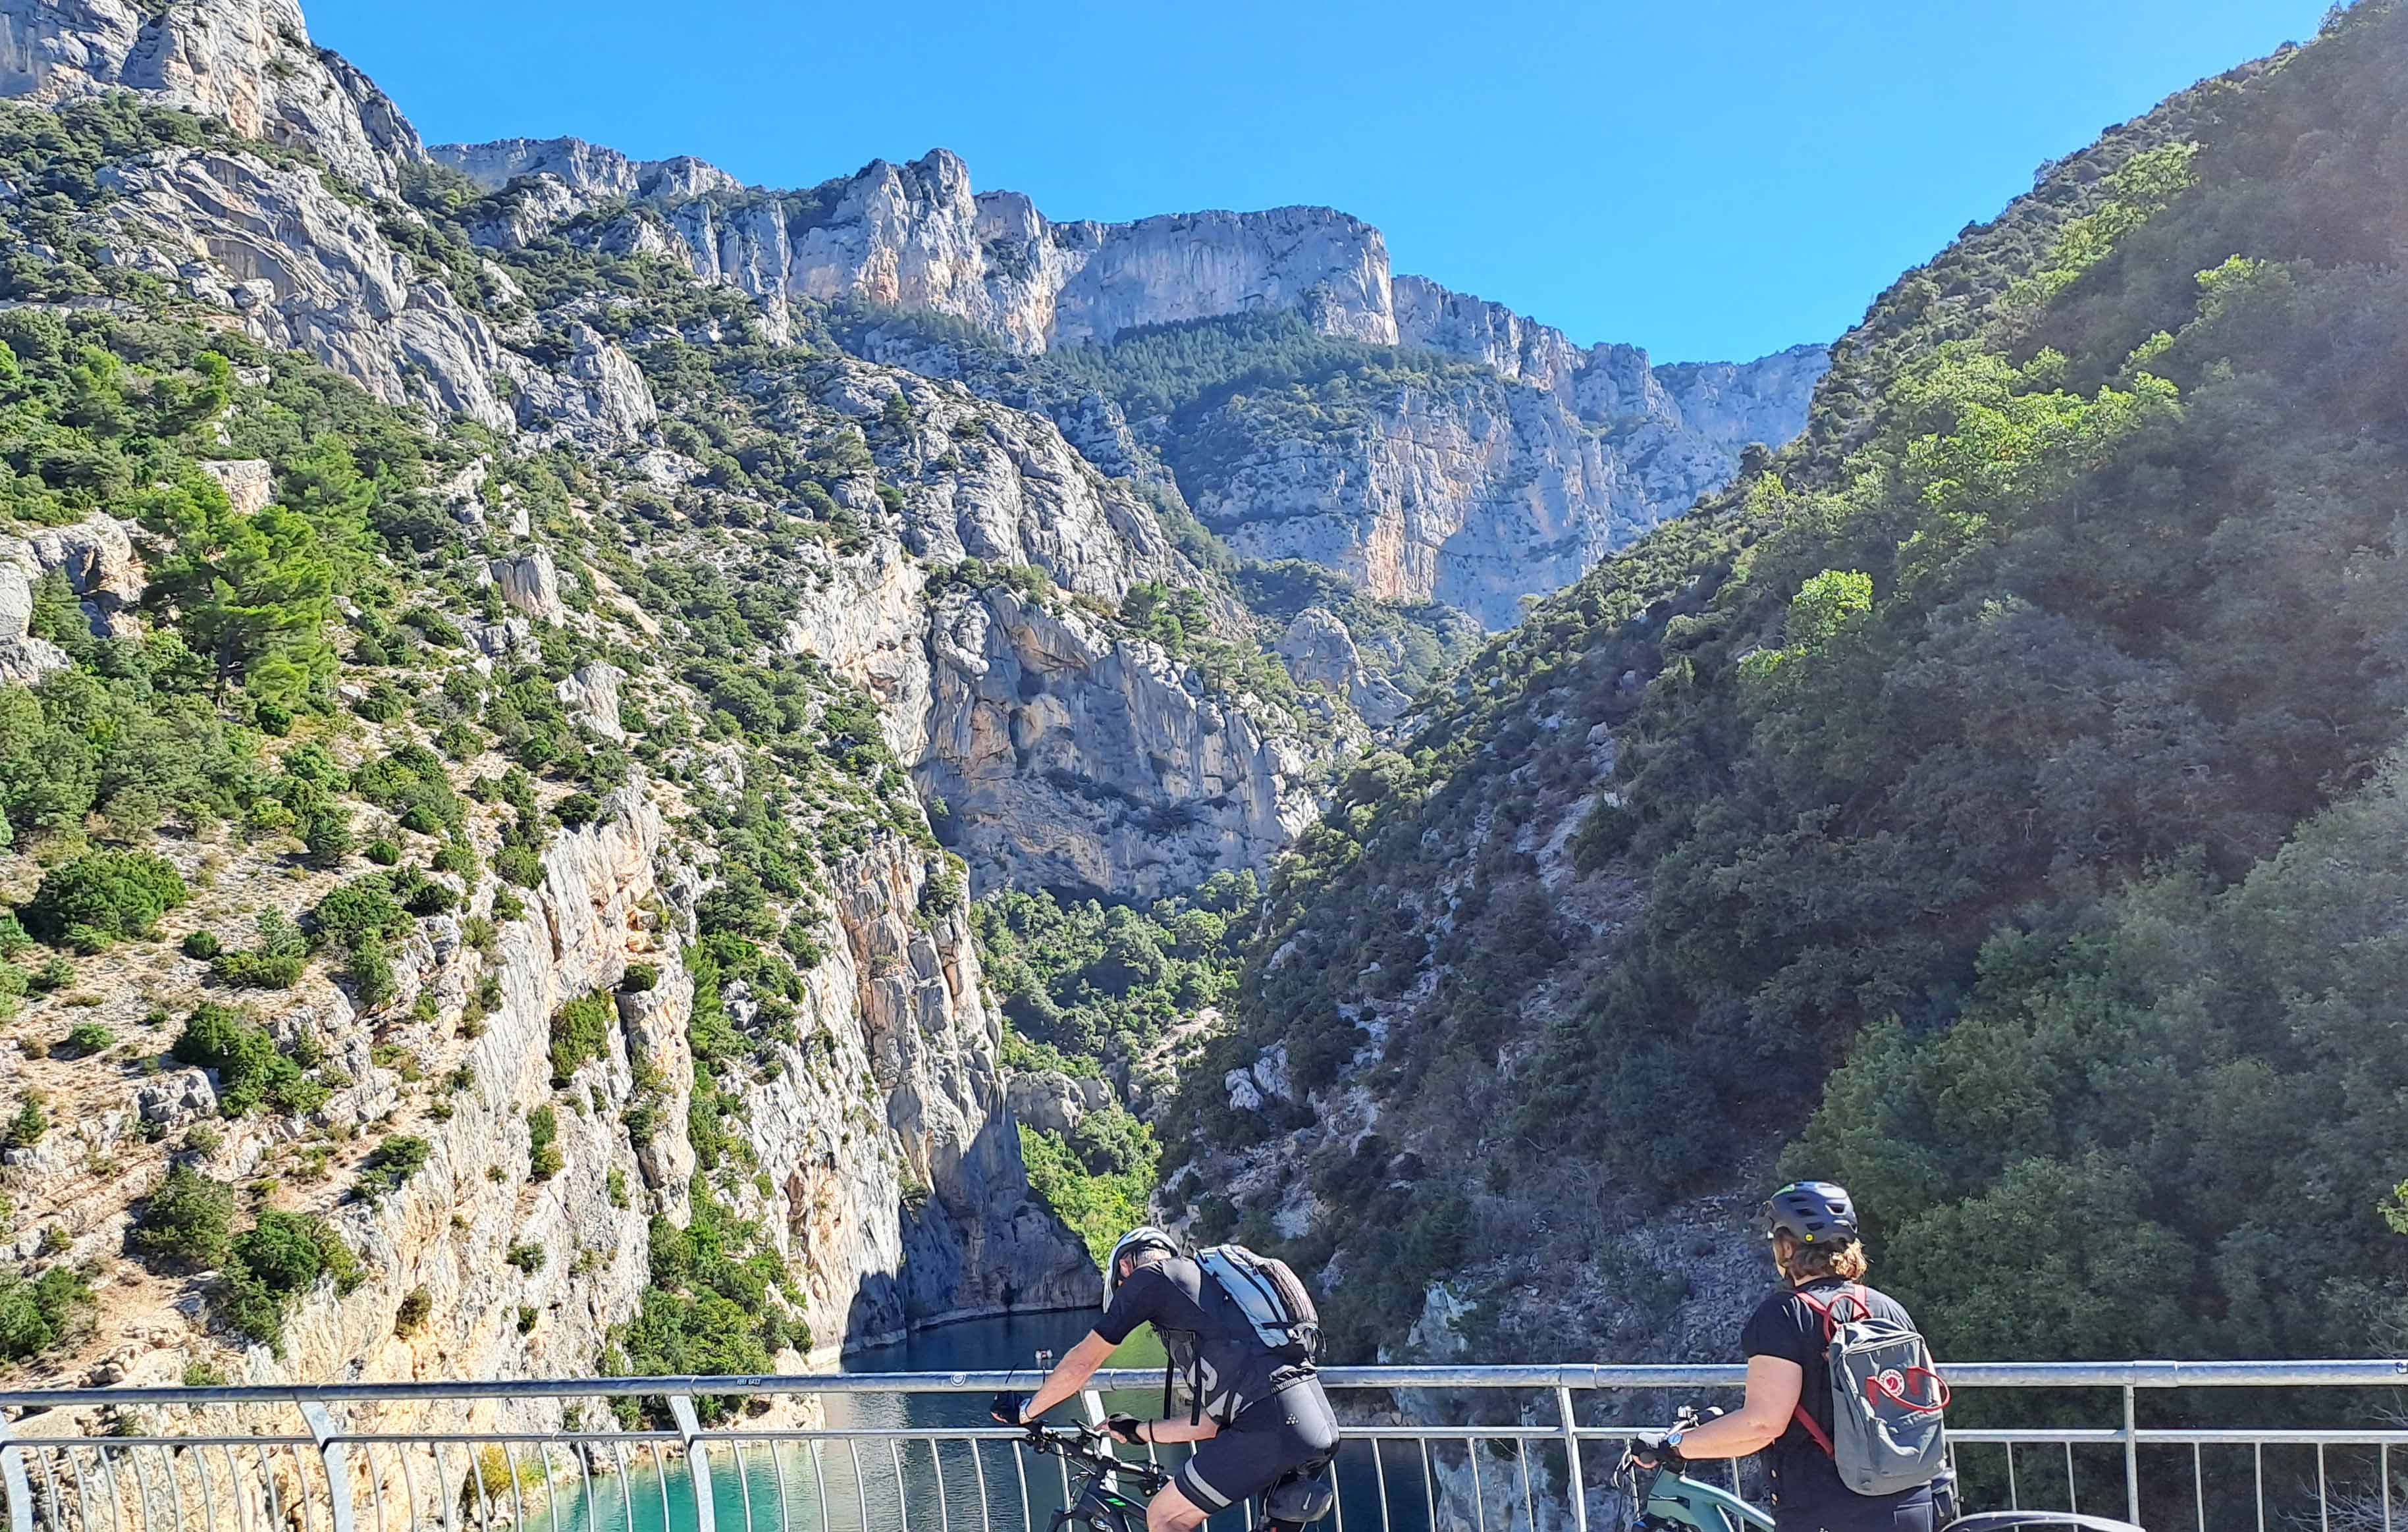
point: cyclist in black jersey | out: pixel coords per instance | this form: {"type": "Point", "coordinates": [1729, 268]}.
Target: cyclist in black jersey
{"type": "Point", "coordinates": [1257, 1420]}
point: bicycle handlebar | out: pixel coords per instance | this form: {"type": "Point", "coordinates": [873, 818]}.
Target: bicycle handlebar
{"type": "Point", "coordinates": [1086, 1446]}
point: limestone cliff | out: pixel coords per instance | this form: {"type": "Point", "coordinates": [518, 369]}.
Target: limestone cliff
{"type": "Point", "coordinates": [1070, 759]}
{"type": "Point", "coordinates": [915, 236]}
{"type": "Point", "coordinates": [889, 1085]}
{"type": "Point", "coordinates": [248, 63]}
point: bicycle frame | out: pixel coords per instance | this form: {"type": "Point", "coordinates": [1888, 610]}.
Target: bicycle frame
{"type": "Point", "coordinates": [1670, 1499]}
{"type": "Point", "coordinates": [1099, 1505]}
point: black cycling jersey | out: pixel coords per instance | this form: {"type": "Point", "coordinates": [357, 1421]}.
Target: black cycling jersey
{"type": "Point", "coordinates": [1807, 1491]}
{"type": "Point", "coordinates": [1207, 1334]}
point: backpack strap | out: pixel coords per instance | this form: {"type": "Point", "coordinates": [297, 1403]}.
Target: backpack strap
{"type": "Point", "coordinates": [1830, 1328]}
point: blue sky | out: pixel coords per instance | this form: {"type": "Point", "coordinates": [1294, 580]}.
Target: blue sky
{"type": "Point", "coordinates": [1713, 179]}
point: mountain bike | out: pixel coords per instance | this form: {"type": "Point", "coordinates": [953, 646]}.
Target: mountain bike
{"type": "Point", "coordinates": [1662, 1498]}
{"type": "Point", "coordinates": [1098, 1505]}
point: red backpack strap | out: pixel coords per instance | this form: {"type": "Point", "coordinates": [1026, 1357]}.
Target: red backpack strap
{"type": "Point", "coordinates": [1814, 1430]}
{"type": "Point", "coordinates": [1830, 1327]}
{"type": "Point", "coordinates": [1830, 1322]}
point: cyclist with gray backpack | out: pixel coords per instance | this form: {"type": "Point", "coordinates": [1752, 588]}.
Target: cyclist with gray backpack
{"type": "Point", "coordinates": [1245, 1334]}
{"type": "Point", "coordinates": [1840, 1387]}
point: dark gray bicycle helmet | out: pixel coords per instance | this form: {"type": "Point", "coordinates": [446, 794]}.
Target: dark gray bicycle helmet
{"type": "Point", "coordinates": [1144, 1238]}
{"type": "Point", "coordinates": [1812, 1212]}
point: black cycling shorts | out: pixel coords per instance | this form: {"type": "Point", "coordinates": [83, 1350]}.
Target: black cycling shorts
{"type": "Point", "coordinates": [1292, 1429]}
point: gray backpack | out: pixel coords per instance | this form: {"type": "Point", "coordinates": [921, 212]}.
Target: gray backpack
{"type": "Point", "coordinates": [1267, 1292]}
{"type": "Point", "coordinates": [1887, 1400]}
{"type": "Point", "coordinates": [1274, 1306]}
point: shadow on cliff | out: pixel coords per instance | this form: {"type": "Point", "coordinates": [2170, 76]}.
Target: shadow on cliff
{"type": "Point", "coordinates": [976, 1244]}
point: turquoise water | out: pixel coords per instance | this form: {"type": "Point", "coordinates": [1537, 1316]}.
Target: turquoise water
{"type": "Point", "coordinates": [889, 1486]}
{"type": "Point", "coordinates": [871, 1485]}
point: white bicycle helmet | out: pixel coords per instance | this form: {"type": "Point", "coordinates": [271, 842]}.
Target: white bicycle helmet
{"type": "Point", "coordinates": [1145, 1236]}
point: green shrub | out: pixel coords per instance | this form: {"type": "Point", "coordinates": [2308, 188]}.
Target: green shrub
{"type": "Point", "coordinates": [52, 973]}
{"type": "Point", "coordinates": [252, 1073]}
{"type": "Point", "coordinates": [365, 906]}
{"type": "Point", "coordinates": [370, 969]}
{"type": "Point", "coordinates": [410, 1318]}
{"type": "Point", "coordinates": [202, 944]}
{"type": "Point", "coordinates": [639, 978]}
{"type": "Point", "coordinates": [186, 1223]}
{"type": "Point", "coordinates": [277, 1259]}
{"type": "Point", "coordinates": [86, 1038]}
{"type": "Point", "coordinates": [103, 897]}
{"type": "Point", "coordinates": [518, 865]}
{"type": "Point", "coordinates": [392, 1162]}
{"type": "Point", "coordinates": [276, 964]}
{"type": "Point", "coordinates": [580, 1030]}
{"type": "Point", "coordinates": [578, 808]}
{"type": "Point", "coordinates": [325, 831]}
{"type": "Point", "coordinates": [38, 1314]}
{"type": "Point", "coordinates": [26, 1128]}
{"type": "Point", "coordinates": [410, 785]}
{"type": "Point", "coordinates": [384, 853]}
{"type": "Point", "coordinates": [258, 970]}
{"type": "Point", "coordinates": [544, 1156]}
{"type": "Point", "coordinates": [527, 1258]}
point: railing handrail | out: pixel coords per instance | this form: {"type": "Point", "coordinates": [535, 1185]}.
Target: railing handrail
{"type": "Point", "coordinates": [2344, 1373]}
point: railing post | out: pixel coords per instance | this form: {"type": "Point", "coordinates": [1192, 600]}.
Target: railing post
{"type": "Point", "coordinates": [2131, 1460]}
{"type": "Point", "coordinates": [335, 1459]}
{"type": "Point", "coordinates": [13, 1479]}
{"type": "Point", "coordinates": [1572, 1458]}
{"type": "Point", "coordinates": [697, 1466]}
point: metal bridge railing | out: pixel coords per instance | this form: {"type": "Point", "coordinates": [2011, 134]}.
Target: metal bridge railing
{"type": "Point", "coordinates": [2239, 1445]}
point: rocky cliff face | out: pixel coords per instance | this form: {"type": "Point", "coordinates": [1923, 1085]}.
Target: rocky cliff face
{"type": "Point", "coordinates": [896, 1193]}
{"type": "Point", "coordinates": [1476, 493]}
{"type": "Point", "coordinates": [1069, 759]}
{"type": "Point", "coordinates": [248, 63]}
{"type": "Point", "coordinates": [915, 236]}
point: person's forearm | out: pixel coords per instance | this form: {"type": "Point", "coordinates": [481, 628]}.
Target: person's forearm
{"type": "Point", "coordinates": [1179, 1430]}
{"type": "Point", "coordinates": [1729, 1435]}
{"type": "Point", "coordinates": [1070, 1375]}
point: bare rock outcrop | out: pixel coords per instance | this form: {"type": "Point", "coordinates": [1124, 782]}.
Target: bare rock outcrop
{"type": "Point", "coordinates": [307, 270]}
{"type": "Point", "coordinates": [97, 559]}
{"type": "Point", "coordinates": [530, 582]}
{"type": "Point", "coordinates": [23, 658]}
{"type": "Point", "coordinates": [1068, 758]}
{"type": "Point", "coordinates": [591, 696]}
{"type": "Point", "coordinates": [916, 236]}
{"type": "Point", "coordinates": [1320, 651]}
{"type": "Point", "coordinates": [249, 61]}
{"type": "Point", "coordinates": [250, 484]}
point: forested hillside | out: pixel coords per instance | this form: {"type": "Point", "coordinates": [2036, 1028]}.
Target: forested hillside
{"type": "Point", "coordinates": [1993, 802]}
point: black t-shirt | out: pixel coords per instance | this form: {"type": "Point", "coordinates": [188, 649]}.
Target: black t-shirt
{"type": "Point", "coordinates": [1204, 1331]}
{"type": "Point", "coordinates": [1806, 1483]}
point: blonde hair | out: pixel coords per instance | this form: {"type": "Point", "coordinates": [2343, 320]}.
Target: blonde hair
{"type": "Point", "coordinates": [1804, 1263]}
